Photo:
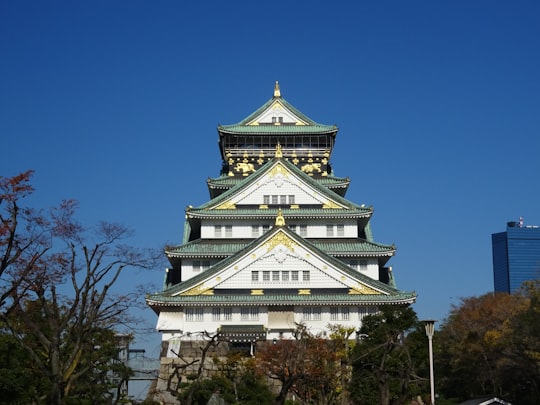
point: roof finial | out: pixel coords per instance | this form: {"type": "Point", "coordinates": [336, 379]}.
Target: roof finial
{"type": "Point", "coordinates": [279, 154]}
{"type": "Point", "coordinates": [280, 221]}
{"type": "Point", "coordinates": [277, 93]}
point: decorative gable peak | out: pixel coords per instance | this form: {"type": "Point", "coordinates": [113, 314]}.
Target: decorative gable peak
{"type": "Point", "coordinates": [248, 144]}
{"type": "Point", "coordinates": [278, 113]}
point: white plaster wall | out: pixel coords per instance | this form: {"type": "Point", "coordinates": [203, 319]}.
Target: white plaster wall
{"type": "Point", "coordinates": [372, 270]}
{"type": "Point", "coordinates": [191, 330]}
{"type": "Point", "coordinates": [189, 271]}
{"type": "Point", "coordinates": [243, 229]}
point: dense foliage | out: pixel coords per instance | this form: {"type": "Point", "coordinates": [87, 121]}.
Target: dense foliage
{"type": "Point", "coordinates": [56, 302]}
{"type": "Point", "coordinates": [490, 345]}
{"type": "Point", "coordinates": [384, 370]}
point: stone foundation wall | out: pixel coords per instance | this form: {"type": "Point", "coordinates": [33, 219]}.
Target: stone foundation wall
{"type": "Point", "coordinates": [175, 370]}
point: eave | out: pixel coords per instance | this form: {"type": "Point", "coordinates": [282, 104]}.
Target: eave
{"type": "Point", "coordinates": [161, 301]}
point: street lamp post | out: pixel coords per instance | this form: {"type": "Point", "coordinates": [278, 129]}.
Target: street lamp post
{"type": "Point", "coordinates": [430, 329]}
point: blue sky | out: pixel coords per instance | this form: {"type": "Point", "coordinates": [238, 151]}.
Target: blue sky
{"type": "Point", "coordinates": [116, 103]}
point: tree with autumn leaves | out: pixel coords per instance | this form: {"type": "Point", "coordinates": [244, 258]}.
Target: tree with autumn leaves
{"type": "Point", "coordinates": [56, 298]}
{"type": "Point", "coordinates": [306, 367]}
{"type": "Point", "coordinates": [491, 345]}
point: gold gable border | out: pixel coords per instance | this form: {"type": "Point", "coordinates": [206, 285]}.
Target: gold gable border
{"type": "Point", "coordinates": [199, 290]}
{"type": "Point", "coordinates": [280, 239]}
{"type": "Point", "coordinates": [362, 289]}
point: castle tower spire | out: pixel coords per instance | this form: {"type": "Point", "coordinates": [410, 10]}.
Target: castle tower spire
{"type": "Point", "coordinates": [277, 92]}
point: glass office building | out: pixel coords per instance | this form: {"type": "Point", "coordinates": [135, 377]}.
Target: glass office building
{"type": "Point", "coordinates": [516, 256]}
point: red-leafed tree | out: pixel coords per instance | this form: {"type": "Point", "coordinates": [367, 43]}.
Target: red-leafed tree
{"type": "Point", "coordinates": [24, 238]}
{"type": "Point", "coordinates": [56, 280]}
{"type": "Point", "coordinates": [307, 366]}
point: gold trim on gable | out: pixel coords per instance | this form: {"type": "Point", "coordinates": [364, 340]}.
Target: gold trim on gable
{"type": "Point", "coordinates": [280, 239]}
{"type": "Point", "coordinates": [278, 170]}
{"type": "Point", "coordinates": [363, 290]}
{"type": "Point", "coordinates": [331, 204]}
{"type": "Point", "coordinates": [227, 205]}
{"type": "Point", "coordinates": [199, 290]}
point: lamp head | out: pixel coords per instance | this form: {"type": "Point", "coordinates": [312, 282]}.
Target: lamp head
{"type": "Point", "coordinates": [430, 327]}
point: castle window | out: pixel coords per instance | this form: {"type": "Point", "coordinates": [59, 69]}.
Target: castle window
{"type": "Point", "coordinates": [265, 228]}
{"type": "Point", "coordinates": [275, 199]}
{"type": "Point", "coordinates": [360, 265]}
{"type": "Point", "coordinates": [341, 230]}
{"type": "Point", "coordinates": [329, 230]}
{"type": "Point", "coordinates": [254, 231]}
{"type": "Point", "coordinates": [194, 314]}
{"type": "Point", "coordinates": [365, 311]}
{"type": "Point", "coordinates": [266, 199]}
{"type": "Point", "coordinates": [303, 230]}
{"type": "Point", "coordinates": [275, 276]}
{"type": "Point", "coordinates": [249, 314]}
{"type": "Point", "coordinates": [266, 275]}
{"type": "Point", "coordinates": [294, 275]}
{"type": "Point", "coordinates": [305, 275]}
{"type": "Point", "coordinates": [284, 276]}
{"type": "Point", "coordinates": [217, 231]}
{"type": "Point", "coordinates": [339, 314]}
{"type": "Point", "coordinates": [255, 276]}
{"type": "Point", "coordinates": [228, 231]}
{"type": "Point", "coordinates": [291, 199]}
{"type": "Point", "coordinates": [198, 265]}
{"type": "Point", "coordinates": [219, 314]}
{"type": "Point", "coordinates": [312, 314]}
{"type": "Point", "coordinates": [283, 199]}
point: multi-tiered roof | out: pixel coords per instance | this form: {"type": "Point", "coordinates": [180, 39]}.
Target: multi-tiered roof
{"type": "Point", "coordinates": [284, 214]}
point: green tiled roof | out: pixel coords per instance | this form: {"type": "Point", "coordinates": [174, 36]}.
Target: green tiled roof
{"type": "Point", "coordinates": [295, 170]}
{"type": "Point", "coordinates": [242, 127]}
{"type": "Point", "coordinates": [224, 182]}
{"type": "Point", "coordinates": [277, 129]}
{"type": "Point", "coordinates": [270, 213]}
{"type": "Point", "coordinates": [398, 297]}
{"type": "Point", "coordinates": [230, 181]}
{"type": "Point", "coordinates": [227, 247]}
{"type": "Point", "coordinates": [209, 247]}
